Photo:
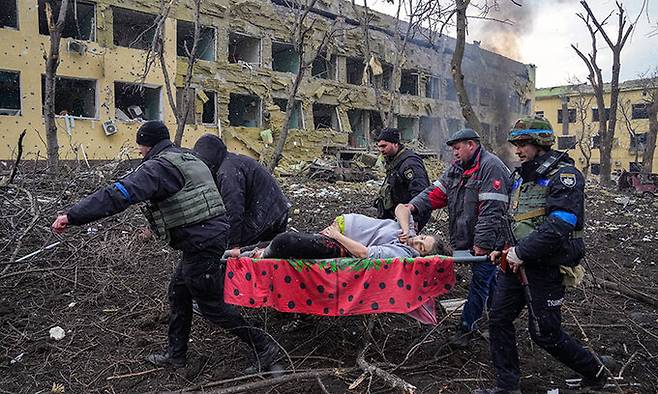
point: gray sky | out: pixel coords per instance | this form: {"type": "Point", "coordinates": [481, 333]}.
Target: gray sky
{"type": "Point", "coordinates": [547, 28]}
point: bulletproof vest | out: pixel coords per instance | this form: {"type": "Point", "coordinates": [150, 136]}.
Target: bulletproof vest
{"type": "Point", "coordinates": [386, 189]}
{"type": "Point", "coordinates": [528, 204]}
{"type": "Point", "coordinates": [197, 201]}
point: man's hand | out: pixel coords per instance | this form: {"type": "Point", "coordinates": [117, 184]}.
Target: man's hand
{"type": "Point", "coordinates": [235, 252]}
{"type": "Point", "coordinates": [403, 236]}
{"type": "Point", "coordinates": [479, 251]}
{"type": "Point", "coordinates": [495, 256]}
{"type": "Point", "coordinates": [331, 231]}
{"type": "Point", "coordinates": [60, 224]}
{"type": "Point", "coordinates": [410, 207]}
{"type": "Point", "coordinates": [513, 261]}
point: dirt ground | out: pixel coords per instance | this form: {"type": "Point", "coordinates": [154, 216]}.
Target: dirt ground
{"type": "Point", "coordinates": [106, 288]}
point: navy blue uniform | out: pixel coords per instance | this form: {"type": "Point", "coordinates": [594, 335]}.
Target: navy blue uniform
{"type": "Point", "coordinates": [551, 244]}
{"type": "Point", "coordinates": [255, 204]}
{"type": "Point", "coordinates": [199, 276]}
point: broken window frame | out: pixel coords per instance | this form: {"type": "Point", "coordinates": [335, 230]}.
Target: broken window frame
{"type": "Point", "coordinates": [72, 28]}
{"type": "Point", "coordinates": [205, 32]}
{"type": "Point", "coordinates": [383, 80]}
{"type": "Point", "coordinates": [121, 85]}
{"type": "Point", "coordinates": [297, 108]}
{"type": "Point", "coordinates": [259, 115]}
{"type": "Point", "coordinates": [212, 98]}
{"type": "Point", "coordinates": [375, 122]}
{"type": "Point", "coordinates": [144, 38]}
{"type": "Point", "coordinates": [69, 96]}
{"type": "Point", "coordinates": [16, 26]}
{"type": "Point", "coordinates": [429, 129]}
{"type": "Point", "coordinates": [404, 133]}
{"type": "Point", "coordinates": [486, 97]}
{"type": "Point", "coordinates": [233, 60]}
{"type": "Point", "coordinates": [8, 111]}
{"type": "Point", "coordinates": [290, 48]}
{"type": "Point", "coordinates": [450, 92]}
{"type": "Point", "coordinates": [330, 67]}
{"type": "Point", "coordinates": [359, 64]}
{"type": "Point", "coordinates": [408, 76]}
{"type": "Point", "coordinates": [357, 138]}
{"type": "Point", "coordinates": [335, 119]}
{"type": "Point", "coordinates": [433, 87]}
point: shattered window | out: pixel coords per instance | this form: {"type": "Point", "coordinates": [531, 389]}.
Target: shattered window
{"type": "Point", "coordinates": [407, 126]}
{"type": "Point", "coordinates": [572, 115]}
{"type": "Point", "coordinates": [432, 88]}
{"type": "Point", "coordinates": [376, 123]}
{"type": "Point", "coordinates": [10, 93]}
{"type": "Point", "coordinates": [595, 114]}
{"type": "Point", "coordinates": [486, 97]}
{"type": "Point", "coordinates": [355, 67]}
{"type": "Point", "coordinates": [138, 102]}
{"type": "Point", "coordinates": [185, 40]}
{"type": "Point", "coordinates": [284, 58]}
{"type": "Point", "coordinates": [429, 131]}
{"type": "Point", "coordinates": [133, 29]}
{"type": "Point", "coordinates": [244, 110]}
{"type": "Point", "coordinates": [296, 121]}
{"type": "Point", "coordinates": [383, 80]}
{"type": "Point", "coordinates": [325, 117]}
{"type": "Point", "coordinates": [242, 48]}
{"type": "Point", "coordinates": [324, 66]}
{"type": "Point", "coordinates": [409, 82]}
{"type": "Point", "coordinates": [640, 111]}
{"type": "Point", "coordinates": [8, 14]}
{"type": "Point", "coordinates": [450, 92]}
{"type": "Point", "coordinates": [209, 114]}
{"type": "Point", "coordinates": [80, 22]}
{"type": "Point", "coordinates": [75, 97]}
{"type": "Point", "coordinates": [357, 138]}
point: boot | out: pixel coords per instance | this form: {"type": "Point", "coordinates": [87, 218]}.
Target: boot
{"type": "Point", "coordinates": [165, 360]}
{"type": "Point", "coordinates": [496, 390]}
{"type": "Point", "coordinates": [265, 358]}
{"type": "Point", "coordinates": [601, 378]}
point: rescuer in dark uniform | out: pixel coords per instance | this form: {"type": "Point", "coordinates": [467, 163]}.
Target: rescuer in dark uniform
{"type": "Point", "coordinates": [185, 208]}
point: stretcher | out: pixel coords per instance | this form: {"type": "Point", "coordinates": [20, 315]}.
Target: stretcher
{"type": "Point", "coordinates": [343, 286]}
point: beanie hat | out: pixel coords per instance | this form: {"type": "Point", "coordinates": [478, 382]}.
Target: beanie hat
{"type": "Point", "coordinates": [390, 135]}
{"type": "Point", "coordinates": [152, 132]}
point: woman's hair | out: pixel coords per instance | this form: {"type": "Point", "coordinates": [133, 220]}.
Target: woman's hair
{"type": "Point", "coordinates": [441, 247]}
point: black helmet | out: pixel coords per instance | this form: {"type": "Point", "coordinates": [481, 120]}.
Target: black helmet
{"type": "Point", "coordinates": [463, 135]}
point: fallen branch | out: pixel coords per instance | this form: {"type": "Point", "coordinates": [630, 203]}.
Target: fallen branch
{"type": "Point", "coordinates": [130, 375]}
{"type": "Point", "coordinates": [630, 292]}
{"type": "Point", "coordinates": [19, 155]}
{"type": "Point", "coordinates": [392, 380]}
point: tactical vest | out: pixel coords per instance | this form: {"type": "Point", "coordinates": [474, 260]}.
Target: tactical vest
{"type": "Point", "coordinates": [386, 189]}
{"type": "Point", "coordinates": [528, 204]}
{"type": "Point", "coordinates": [197, 201]}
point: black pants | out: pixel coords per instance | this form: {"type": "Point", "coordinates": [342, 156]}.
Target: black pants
{"type": "Point", "coordinates": [547, 296]}
{"type": "Point", "coordinates": [291, 245]}
{"type": "Point", "coordinates": [278, 227]}
{"type": "Point", "coordinates": [200, 277]}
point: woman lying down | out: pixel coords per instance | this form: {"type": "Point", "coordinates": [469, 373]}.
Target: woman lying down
{"type": "Point", "coordinates": [355, 235]}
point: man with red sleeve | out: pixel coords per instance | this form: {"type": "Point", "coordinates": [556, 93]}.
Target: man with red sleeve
{"type": "Point", "coordinates": [475, 191]}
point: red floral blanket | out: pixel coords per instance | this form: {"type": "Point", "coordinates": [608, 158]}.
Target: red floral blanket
{"type": "Point", "coordinates": [338, 287]}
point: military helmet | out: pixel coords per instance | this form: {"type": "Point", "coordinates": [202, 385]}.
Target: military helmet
{"type": "Point", "coordinates": [533, 129]}
{"type": "Point", "coordinates": [463, 135]}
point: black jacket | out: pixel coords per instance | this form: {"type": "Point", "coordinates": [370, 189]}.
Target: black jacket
{"type": "Point", "coordinates": [476, 196]}
{"type": "Point", "coordinates": [155, 179]}
{"type": "Point", "coordinates": [552, 243]}
{"type": "Point", "coordinates": [252, 197]}
{"type": "Point", "coordinates": [407, 179]}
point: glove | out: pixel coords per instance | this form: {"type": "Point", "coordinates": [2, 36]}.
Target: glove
{"type": "Point", "coordinates": [512, 257]}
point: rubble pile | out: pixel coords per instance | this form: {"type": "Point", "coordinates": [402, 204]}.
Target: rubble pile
{"type": "Point", "coordinates": [80, 316]}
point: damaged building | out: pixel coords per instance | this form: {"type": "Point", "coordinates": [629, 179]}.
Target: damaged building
{"type": "Point", "coordinates": [241, 82]}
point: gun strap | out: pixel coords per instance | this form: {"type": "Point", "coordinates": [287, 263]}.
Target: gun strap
{"type": "Point", "coordinates": [530, 214]}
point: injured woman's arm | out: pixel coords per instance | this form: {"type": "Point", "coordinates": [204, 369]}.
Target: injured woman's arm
{"type": "Point", "coordinates": [355, 249]}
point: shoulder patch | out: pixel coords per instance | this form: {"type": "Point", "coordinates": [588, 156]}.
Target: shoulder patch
{"type": "Point", "coordinates": [497, 184]}
{"type": "Point", "coordinates": [409, 173]}
{"type": "Point", "coordinates": [568, 180]}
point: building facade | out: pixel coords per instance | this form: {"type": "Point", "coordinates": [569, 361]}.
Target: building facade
{"type": "Point", "coordinates": [246, 65]}
{"type": "Point", "coordinates": [580, 132]}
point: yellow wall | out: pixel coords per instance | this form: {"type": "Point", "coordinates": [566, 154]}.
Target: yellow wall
{"type": "Point", "coordinates": [622, 155]}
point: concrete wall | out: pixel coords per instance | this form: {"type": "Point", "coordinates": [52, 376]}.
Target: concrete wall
{"type": "Point", "coordinates": [509, 83]}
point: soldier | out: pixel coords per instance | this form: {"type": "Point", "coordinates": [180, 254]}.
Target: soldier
{"type": "Point", "coordinates": [406, 177]}
{"type": "Point", "coordinates": [185, 208]}
{"type": "Point", "coordinates": [547, 207]}
{"type": "Point", "coordinates": [474, 189]}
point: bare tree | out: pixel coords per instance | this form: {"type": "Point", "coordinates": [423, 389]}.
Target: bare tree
{"type": "Point", "coordinates": [606, 126]}
{"type": "Point", "coordinates": [302, 31]}
{"type": "Point", "coordinates": [55, 28]}
{"type": "Point", "coordinates": [650, 95]}
{"type": "Point", "coordinates": [582, 101]}
{"type": "Point", "coordinates": [626, 111]}
{"type": "Point", "coordinates": [156, 53]}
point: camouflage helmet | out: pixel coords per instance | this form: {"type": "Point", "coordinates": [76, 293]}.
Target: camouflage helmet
{"type": "Point", "coordinates": [533, 129]}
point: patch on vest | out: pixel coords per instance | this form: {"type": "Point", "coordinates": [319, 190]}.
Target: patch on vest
{"type": "Point", "coordinates": [497, 184]}
{"type": "Point", "coordinates": [409, 173]}
{"type": "Point", "coordinates": [568, 180]}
